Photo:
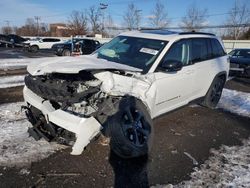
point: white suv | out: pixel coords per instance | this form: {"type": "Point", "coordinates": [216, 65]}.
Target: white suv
{"type": "Point", "coordinates": [122, 86]}
{"type": "Point", "coordinates": [43, 43]}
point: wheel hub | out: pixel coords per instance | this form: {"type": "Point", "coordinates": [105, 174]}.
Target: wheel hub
{"type": "Point", "coordinates": [135, 128]}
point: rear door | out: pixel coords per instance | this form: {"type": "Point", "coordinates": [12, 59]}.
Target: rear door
{"type": "Point", "coordinates": [209, 59]}
{"type": "Point", "coordinates": [88, 46]}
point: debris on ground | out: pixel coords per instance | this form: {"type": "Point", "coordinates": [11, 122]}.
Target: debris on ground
{"type": "Point", "coordinates": [192, 158]}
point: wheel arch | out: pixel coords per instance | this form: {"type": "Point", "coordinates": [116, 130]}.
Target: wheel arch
{"type": "Point", "coordinates": [35, 45]}
{"type": "Point", "coordinates": [222, 74]}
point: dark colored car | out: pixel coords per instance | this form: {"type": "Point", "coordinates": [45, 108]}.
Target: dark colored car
{"type": "Point", "coordinates": [16, 38]}
{"type": "Point", "coordinates": [11, 40]}
{"type": "Point", "coordinates": [3, 39]}
{"type": "Point", "coordinates": [77, 45]}
{"type": "Point", "coordinates": [240, 62]}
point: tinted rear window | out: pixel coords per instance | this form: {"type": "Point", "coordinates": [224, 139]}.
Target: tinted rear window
{"type": "Point", "coordinates": [217, 49]}
{"type": "Point", "coordinates": [199, 50]}
{"type": "Point", "coordinates": [50, 40]}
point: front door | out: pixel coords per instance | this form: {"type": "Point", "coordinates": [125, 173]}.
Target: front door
{"type": "Point", "coordinates": [174, 89]}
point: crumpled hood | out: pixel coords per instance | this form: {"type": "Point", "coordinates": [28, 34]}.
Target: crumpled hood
{"type": "Point", "coordinates": [73, 65]}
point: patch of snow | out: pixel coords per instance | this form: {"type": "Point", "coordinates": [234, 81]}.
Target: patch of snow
{"type": "Point", "coordinates": [6, 64]}
{"type": "Point", "coordinates": [17, 148]}
{"type": "Point", "coordinates": [230, 78]}
{"type": "Point", "coordinates": [235, 102]}
{"type": "Point", "coordinates": [24, 171]}
{"type": "Point", "coordinates": [194, 106]}
{"type": "Point", "coordinates": [227, 167]}
{"type": "Point", "coordinates": [11, 81]}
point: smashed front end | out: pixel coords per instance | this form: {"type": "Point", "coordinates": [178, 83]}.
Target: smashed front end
{"type": "Point", "coordinates": [62, 107]}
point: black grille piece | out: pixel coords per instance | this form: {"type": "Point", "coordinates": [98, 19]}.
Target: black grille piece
{"type": "Point", "coordinates": [58, 90]}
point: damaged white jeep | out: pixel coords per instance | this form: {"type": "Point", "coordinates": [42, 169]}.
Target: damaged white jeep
{"type": "Point", "coordinates": [121, 87]}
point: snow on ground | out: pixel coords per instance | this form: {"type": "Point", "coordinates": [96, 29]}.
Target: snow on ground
{"type": "Point", "coordinates": [11, 81]}
{"type": "Point", "coordinates": [235, 102]}
{"type": "Point", "coordinates": [228, 166]}
{"type": "Point", "coordinates": [7, 64]}
{"type": "Point", "coordinates": [16, 147]}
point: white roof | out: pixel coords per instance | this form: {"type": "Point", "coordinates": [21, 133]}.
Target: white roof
{"type": "Point", "coordinates": [163, 35]}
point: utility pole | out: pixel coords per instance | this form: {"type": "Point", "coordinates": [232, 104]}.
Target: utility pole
{"type": "Point", "coordinates": [37, 18]}
{"type": "Point", "coordinates": [103, 7]}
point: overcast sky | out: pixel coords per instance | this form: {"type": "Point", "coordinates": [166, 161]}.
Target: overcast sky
{"type": "Point", "coordinates": [16, 11]}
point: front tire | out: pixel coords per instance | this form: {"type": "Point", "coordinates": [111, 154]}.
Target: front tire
{"type": "Point", "coordinates": [130, 129]}
{"type": "Point", "coordinates": [34, 48]}
{"type": "Point", "coordinates": [214, 93]}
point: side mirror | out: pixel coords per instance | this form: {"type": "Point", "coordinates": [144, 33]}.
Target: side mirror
{"type": "Point", "coordinates": [171, 65]}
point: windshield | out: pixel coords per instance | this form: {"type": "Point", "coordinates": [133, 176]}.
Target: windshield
{"type": "Point", "coordinates": [136, 52]}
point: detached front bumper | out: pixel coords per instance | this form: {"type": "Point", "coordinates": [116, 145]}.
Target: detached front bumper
{"type": "Point", "coordinates": [84, 128]}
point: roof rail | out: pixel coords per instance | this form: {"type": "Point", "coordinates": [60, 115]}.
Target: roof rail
{"type": "Point", "coordinates": [193, 32]}
{"type": "Point", "coordinates": [157, 31]}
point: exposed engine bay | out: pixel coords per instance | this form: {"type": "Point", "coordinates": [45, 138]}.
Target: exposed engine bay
{"type": "Point", "coordinates": [79, 93]}
{"type": "Point", "coordinates": [85, 95]}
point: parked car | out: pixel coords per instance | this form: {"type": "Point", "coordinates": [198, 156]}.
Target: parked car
{"type": "Point", "coordinates": [11, 40]}
{"type": "Point", "coordinates": [3, 39]}
{"type": "Point", "coordinates": [18, 40]}
{"type": "Point", "coordinates": [81, 46]}
{"type": "Point", "coordinates": [122, 86]}
{"type": "Point", "coordinates": [240, 62]}
{"type": "Point", "coordinates": [44, 43]}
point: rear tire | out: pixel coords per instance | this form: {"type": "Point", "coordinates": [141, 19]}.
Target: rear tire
{"type": "Point", "coordinates": [66, 52]}
{"type": "Point", "coordinates": [214, 93]}
{"type": "Point", "coordinates": [130, 129]}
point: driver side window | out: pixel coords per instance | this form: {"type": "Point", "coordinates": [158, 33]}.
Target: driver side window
{"type": "Point", "coordinates": [179, 51]}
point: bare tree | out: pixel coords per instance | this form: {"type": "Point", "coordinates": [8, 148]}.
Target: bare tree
{"type": "Point", "coordinates": [195, 18]}
{"type": "Point", "coordinates": [6, 30]}
{"type": "Point", "coordinates": [238, 15]}
{"type": "Point", "coordinates": [78, 23]}
{"type": "Point", "coordinates": [132, 17]}
{"type": "Point", "coordinates": [44, 29]}
{"type": "Point", "coordinates": [94, 16]}
{"type": "Point", "coordinates": [30, 28]}
{"type": "Point", "coordinates": [159, 17]}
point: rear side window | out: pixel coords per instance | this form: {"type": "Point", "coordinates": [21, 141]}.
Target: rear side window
{"type": "Point", "coordinates": [200, 50]}
{"type": "Point", "coordinates": [246, 53]}
{"type": "Point", "coordinates": [88, 43]}
{"type": "Point", "coordinates": [51, 40]}
{"type": "Point", "coordinates": [217, 49]}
